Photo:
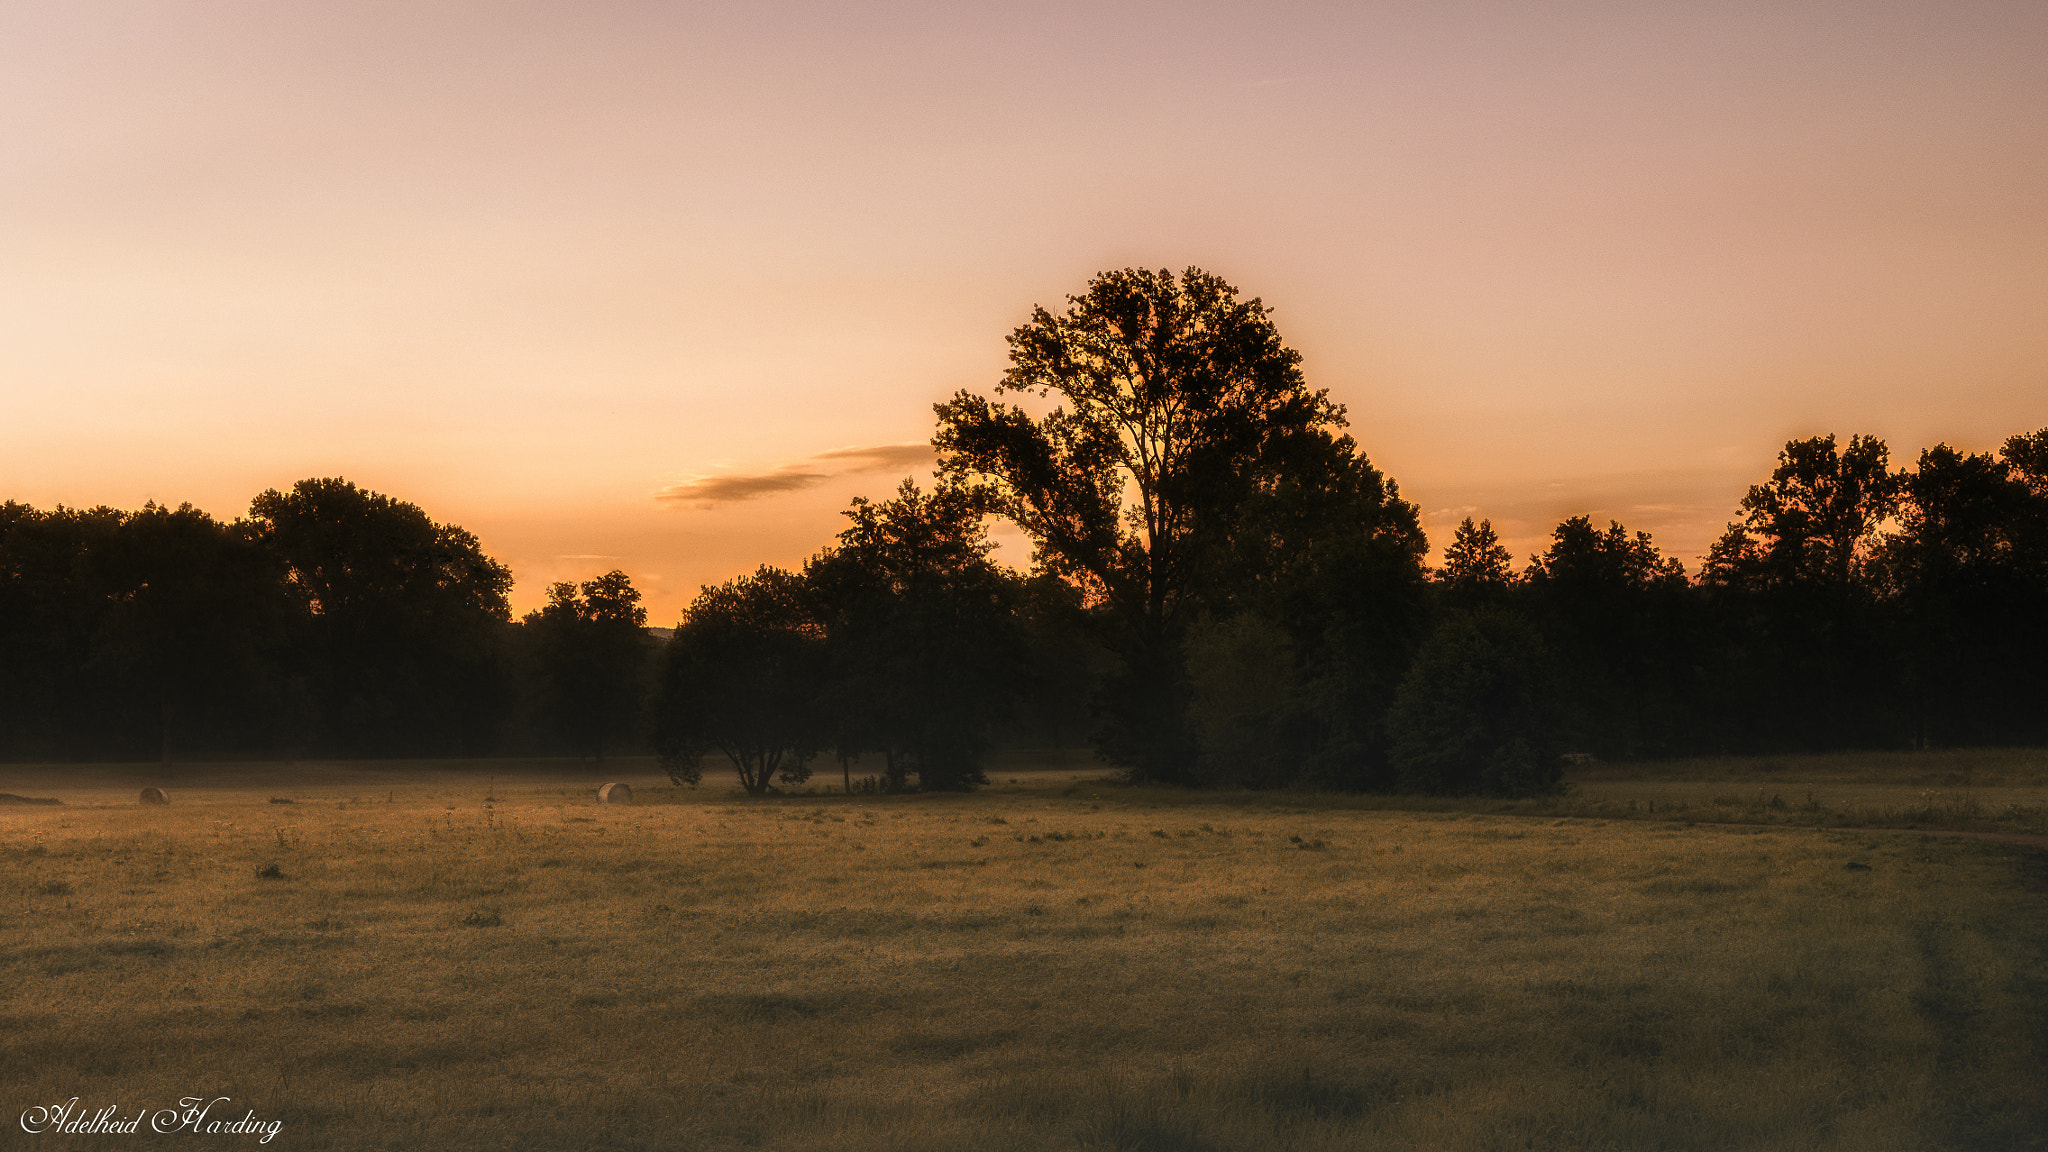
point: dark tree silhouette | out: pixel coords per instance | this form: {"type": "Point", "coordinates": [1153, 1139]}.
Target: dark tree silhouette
{"type": "Point", "coordinates": [1809, 643]}
{"type": "Point", "coordinates": [1326, 571]}
{"type": "Point", "coordinates": [1208, 544]}
{"type": "Point", "coordinates": [1178, 401]}
{"type": "Point", "coordinates": [53, 596]}
{"type": "Point", "coordinates": [1968, 576]}
{"type": "Point", "coordinates": [1478, 569]}
{"type": "Point", "coordinates": [926, 650]}
{"type": "Point", "coordinates": [404, 618]}
{"type": "Point", "coordinates": [1616, 616]}
{"type": "Point", "coordinates": [194, 631]}
{"type": "Point", "coordinates": [147, 632]}
{"type": "Point", "coordinates": [1477, 712]}
{"type": "Point", "coordinates": [592, 657]}
{"type": "Point", "coordinates": [1815, 522]}
{"type": "Point", "coordinates": [743, 675]}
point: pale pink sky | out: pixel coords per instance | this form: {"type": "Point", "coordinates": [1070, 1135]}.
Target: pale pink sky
{"type": "Point", "coordinates": [531, 266]}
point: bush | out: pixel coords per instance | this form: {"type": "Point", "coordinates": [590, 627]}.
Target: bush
{"type": "Point", "coordinates": [1244, 703]}
{"type": "Point", "coordinates": [1476, 714]}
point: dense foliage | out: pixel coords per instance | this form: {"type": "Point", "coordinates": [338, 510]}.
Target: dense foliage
{"type": "Point", "coordinates": [587, 666]}
{"type": "Point", "coordinates": [1220, 576]}
{"type": "Point", "coordinates": [331, 620]}
{"type": "Point", "coordinates": [744, 676]}
{"type": "Point", "coordinates": [1184, 439]}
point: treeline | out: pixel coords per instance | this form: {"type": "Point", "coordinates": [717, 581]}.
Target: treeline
{"type": "Point", "coordinates": [1850, 606]}
{"type": "Point", "coordinates": [1251, 601]}
{"type": "Point", "coordinates": [904, 646]}
{"type": "Point", "coordinates": [336, 621]}
{"type": "Point", "coordinates": [1223, 591]}
{"type": "Point", "coordinates": [329, 621]}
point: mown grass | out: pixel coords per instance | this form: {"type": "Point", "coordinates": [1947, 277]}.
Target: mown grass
{"type": "Point", "coordinates": [1053, 964]}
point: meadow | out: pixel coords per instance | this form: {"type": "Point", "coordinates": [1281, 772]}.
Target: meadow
{"type": "Point", "coordinates": [414, 955]}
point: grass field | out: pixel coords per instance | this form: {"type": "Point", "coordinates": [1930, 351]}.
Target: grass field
{"type": "Point", "coordinates": [406, 956]}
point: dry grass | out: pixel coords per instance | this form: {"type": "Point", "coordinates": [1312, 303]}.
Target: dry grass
{"type": "Point", "coordinates": [1999, 790]}
{"type": "Point", "coordinates": [403, 959]}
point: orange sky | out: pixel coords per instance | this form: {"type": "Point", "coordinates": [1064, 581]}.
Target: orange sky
{"type": "Point", "coordinates": [531, 266]}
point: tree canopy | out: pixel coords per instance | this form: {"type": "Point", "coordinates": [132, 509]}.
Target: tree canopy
{"type": "Point", "coordinates": [925, 646]}
{"type": "Point", "coordinates": [743, 676]}
{"type": "Point", "coordinates": [1815, 521]}
{"type": "Point", "coordinates": [591, 655]}
{"type": "Point", "coordinates": [1177, 404]}
{"type": "Point", "coordinates": [331, 620]}
{"type": "Point", "coordinates": [404, 616]}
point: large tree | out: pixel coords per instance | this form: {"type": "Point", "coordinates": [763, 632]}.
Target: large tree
{"type": "Point", "coordinates": [743, 675]}
{"type": "Point", "coordinates": [1324, 579]}
{"type": "Point", "coordinates": [1177, 405]}
{"type": "Point", "coordinates": [925, 646]}
{"type": "Point", "coordinates": [1967, 571]}
{"type": "Point", "coordinates": [405, 618]}
{"type": "Point", "coordinates": [1794, 586]}
{"type": "Point", "coordinates": [1815, 522]}
{"type": "Point", "coordinates": [591, 656]}
{"type": "Point", "coordinates": [1616, 615]}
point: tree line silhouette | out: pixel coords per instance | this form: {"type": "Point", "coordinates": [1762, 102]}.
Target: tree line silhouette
{"type": "Point", "coordinates": [1223, 591]}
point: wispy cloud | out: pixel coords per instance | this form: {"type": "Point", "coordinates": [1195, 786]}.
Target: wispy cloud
{"type": "Point", "coordinates": [711, 491]}
{"type": "Point", "coordinates": [879, 458]}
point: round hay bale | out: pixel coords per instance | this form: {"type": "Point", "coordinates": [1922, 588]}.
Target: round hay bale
{"type": "Point", "coordinates": [615, 794]}
{"type": "Point", "coordinates": [154, 796]}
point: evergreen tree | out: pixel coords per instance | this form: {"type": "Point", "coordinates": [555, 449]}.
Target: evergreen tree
{"type": "Point", "coordinates": [1478, 569]}
{"type": "Point", "coordinates": [1618, 618]}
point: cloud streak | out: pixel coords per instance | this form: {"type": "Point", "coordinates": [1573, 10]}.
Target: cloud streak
{"type": "Point", "coordinates": [712, 491]}
{"type": "Point", "coordinates": [879, 458]}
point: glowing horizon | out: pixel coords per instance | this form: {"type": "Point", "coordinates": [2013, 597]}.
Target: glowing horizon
{"type": "Point", "coordinates": [533, 266]}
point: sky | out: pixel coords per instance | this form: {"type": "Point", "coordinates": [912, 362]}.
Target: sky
{"type": "Point", "coordinates": [661, 286]}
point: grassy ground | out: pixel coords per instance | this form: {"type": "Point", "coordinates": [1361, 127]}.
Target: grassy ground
{"type": "Point", "coordinates": [1985, 790]}
{"type": "Point", "coordinates": [1993, 791]}
{"type": "Point", "coordinates": [409, 957]}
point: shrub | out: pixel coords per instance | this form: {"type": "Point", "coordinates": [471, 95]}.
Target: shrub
{"type": "Point", "coordinates": [1476, 714]}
